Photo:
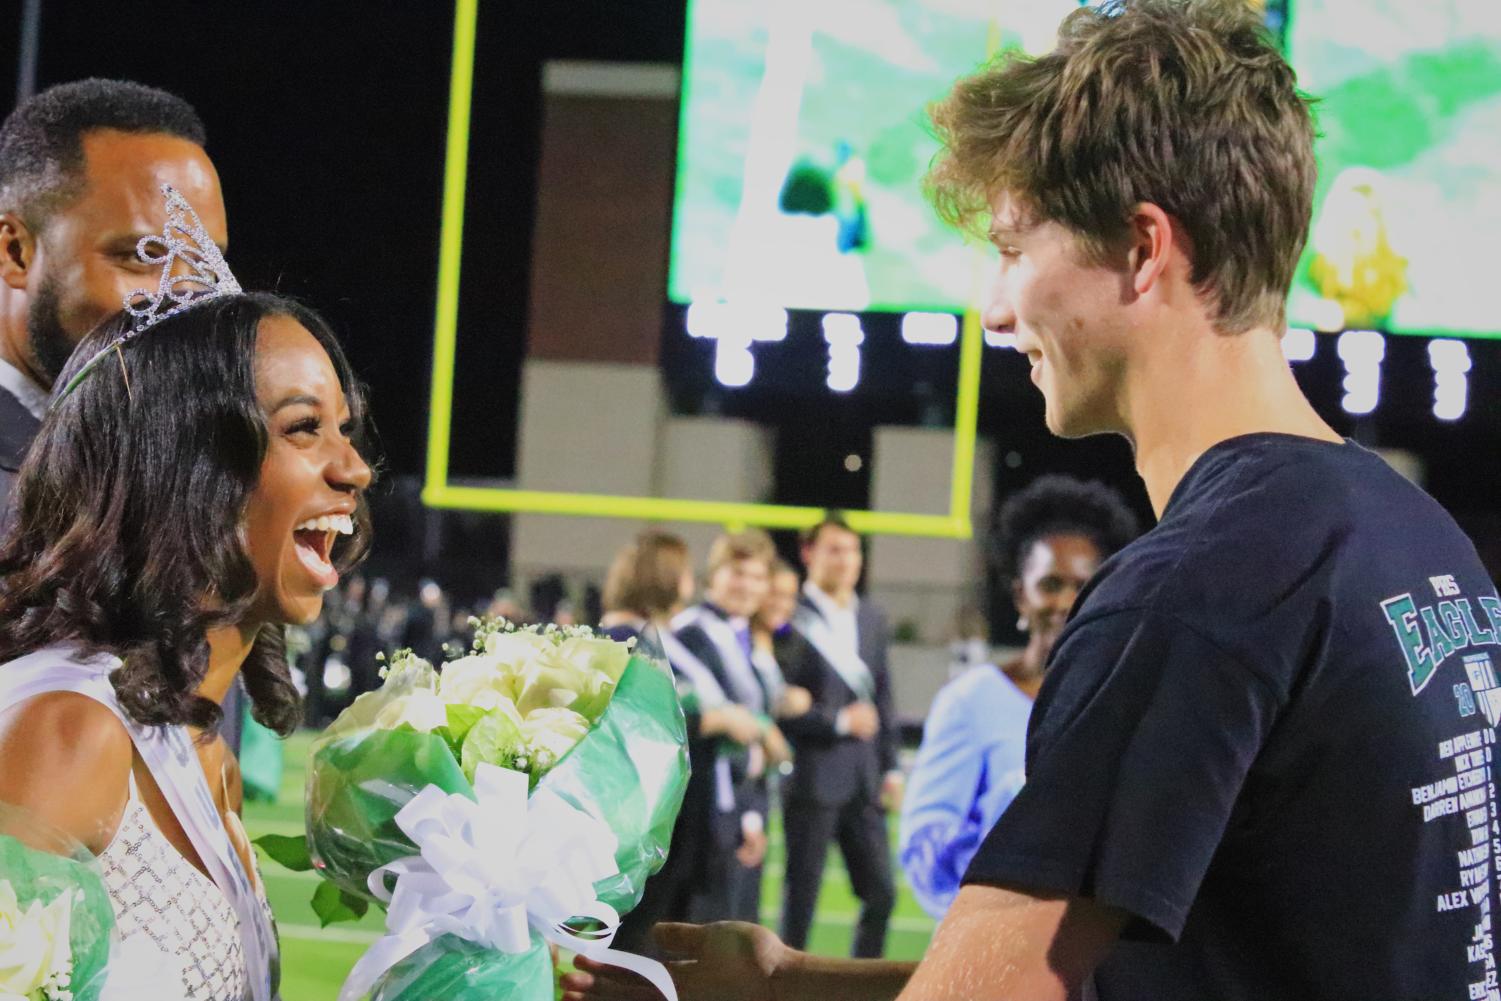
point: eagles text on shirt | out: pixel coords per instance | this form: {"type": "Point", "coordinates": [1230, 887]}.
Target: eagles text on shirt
{"type": "Point", "coordinates": [1429, 635]}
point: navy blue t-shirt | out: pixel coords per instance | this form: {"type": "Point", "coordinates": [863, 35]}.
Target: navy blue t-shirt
{"type": "Point", "coordinates": [1266, 735]}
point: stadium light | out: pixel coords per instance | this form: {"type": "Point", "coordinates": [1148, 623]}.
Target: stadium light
{"type": "Point", "coordinates": [934, 329]}
{"type": "Point", "coordinates": [1299, 344]}
{"type": "Point", "coordinates": [1450, 361]}
{"type": "Point", "coordinates": [1362, 352]}
{"type": "Point", "coordinates": [995, 340]}
{"type": "Point", "coordinates": [734, 327]}
{"type": "Point", "coordinates": [734, 365]}
{"type": "Point", "coordinates": [842, 333]}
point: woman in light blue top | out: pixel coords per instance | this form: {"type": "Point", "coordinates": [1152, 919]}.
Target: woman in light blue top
{"type": "Point", "coordinates": [972, 762]}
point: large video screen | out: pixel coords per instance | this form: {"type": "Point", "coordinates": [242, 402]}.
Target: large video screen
{"type": "Point", "coordinates": [1408, 206]}
{"type": "Point", "coordinates": [803, 142]}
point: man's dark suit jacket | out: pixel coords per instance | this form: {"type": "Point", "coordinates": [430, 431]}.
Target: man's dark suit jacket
{"type": "Point", "coordinates": [828, 768]}
{"type": "Point", "coordinates": [695, 835]}
{"type": "Point", "coordinates": [17, 428]}
{"type": "Point", "coordinates": [750, 794]}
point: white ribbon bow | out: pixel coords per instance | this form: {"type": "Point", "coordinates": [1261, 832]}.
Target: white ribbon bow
{"type": "Point", "coordinates": [492, 869]}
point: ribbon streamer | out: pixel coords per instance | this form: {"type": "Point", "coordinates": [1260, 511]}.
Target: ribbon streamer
{"type": "Point", "coordinates": [490, 870]}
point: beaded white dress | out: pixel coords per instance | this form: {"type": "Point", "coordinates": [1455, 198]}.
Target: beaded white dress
{"type": "Point", "coordinates": [158, 893]}
{"type": "Point", "coordinates": [164, 906]}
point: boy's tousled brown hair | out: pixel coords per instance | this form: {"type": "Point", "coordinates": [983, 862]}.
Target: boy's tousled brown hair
{"type": "Point", "coordinates": [1185, 104]}
{"type": "Point", "coordinates": [748, 544]}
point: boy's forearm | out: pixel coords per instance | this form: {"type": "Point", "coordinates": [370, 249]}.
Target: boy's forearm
{"type": "Point", "coordinates": [823, 978]}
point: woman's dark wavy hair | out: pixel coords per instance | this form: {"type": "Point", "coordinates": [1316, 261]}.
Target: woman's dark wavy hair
{"type": "Point", "coordinates": [127, 533]}
{"type": "Point", "coordinates": [1060, 505]}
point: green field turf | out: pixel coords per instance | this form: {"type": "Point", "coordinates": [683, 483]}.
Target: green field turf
{"type": "Point", "coordinates": [316, 960]}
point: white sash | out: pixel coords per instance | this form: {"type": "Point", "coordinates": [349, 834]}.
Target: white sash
{"type": "Point", "coordinates": [710, 696]}
{"type": "Point", "coordinates": [765, 663]}
{"type": "Point", "coordinates": [169, 756]}
{"type": "Point", "coordinates": [848, 664]}
{"type": "Point", "coordinates": [743, 675]}
{"type": "Point", "coordinates": [710, 693]}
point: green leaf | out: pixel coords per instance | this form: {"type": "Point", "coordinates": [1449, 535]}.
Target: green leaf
{"type": "Point", "coordinates": [461, 720]}
{"type": "Point", "coordinates": [495, 739]}
{"type": "Point", "coordinates": [286, 850]}
{"type": "Point", "coordinates": [332, 904]}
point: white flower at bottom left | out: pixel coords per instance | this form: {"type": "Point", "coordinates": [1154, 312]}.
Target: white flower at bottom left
{"type": "Point", "coordinates": [36, 959]}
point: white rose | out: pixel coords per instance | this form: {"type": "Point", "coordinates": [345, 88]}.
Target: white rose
{"type": "Point", "coordinates": [505, 707]}
{"type": "Point", "coordinates": [410, 674]}
{"type": "Point", "coordinates": [477, 680]}
{"type": "Point", "coordinates": [515, 649]}
{"type": "Point", "coordinates": [567, 677]}
{"type": "Point", "coordinates": [592, 668]}
{"type": "Point", "coordinates": [591, 654]}
{"type": "Point", "coordinates": [551, 733]}
{"type": "Point", "coordinates": [33, 943]}
{"type": "Point", "coordinates": [422, 710]}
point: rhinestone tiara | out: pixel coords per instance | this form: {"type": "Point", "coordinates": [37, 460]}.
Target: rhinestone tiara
{"type": "Point", "coordinates": [193, 272]}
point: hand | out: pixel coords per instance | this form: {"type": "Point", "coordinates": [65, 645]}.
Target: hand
{"type": "Point", "coordinates": [752, 849]}
{"type": "Point", "coordinates": [778, 752]}
{"type": "Point", "coordinates": [735, 722]}
{"type": "Point", "coordinates": [728, 961]}
{"type": "Point", "coordinates": [892, 788]}
{"type": "Point", "coordinates": [755, 760]}
{"type": "Point", "coordinates": [795, 701]}
{"type": "Point", "coordinates": [862, 720]}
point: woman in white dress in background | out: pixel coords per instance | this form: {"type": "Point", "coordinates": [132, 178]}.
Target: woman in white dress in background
{"type": "Point", "coordinates": [192, 493]}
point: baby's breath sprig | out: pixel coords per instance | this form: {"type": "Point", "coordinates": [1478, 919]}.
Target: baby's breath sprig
{"type": "Point", "coordinates": [486, 627]}
{"type": "Point", "coordinates": [397, 662]}
{"type": "Point", "coordinates": [59, 983]}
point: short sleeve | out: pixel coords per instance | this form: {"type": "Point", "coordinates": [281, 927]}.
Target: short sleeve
{"type": "Point", "coordinates": [1139, 746]}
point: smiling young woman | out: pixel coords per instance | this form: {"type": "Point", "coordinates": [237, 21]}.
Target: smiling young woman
{"type": "Point", "coordinates": [185, 501]}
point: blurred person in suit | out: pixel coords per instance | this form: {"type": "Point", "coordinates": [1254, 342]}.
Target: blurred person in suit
{"type": "Point", "coordinates": [844, 773]}
{"type": "Point", "coordinates": [503, 605]}
{"type": "Point", "coordinates": [717, 631]}
{"type": "Point", "coordinates": [427, 622]}
{"type": "Point", "coordinates": [367, 600]}
{"type": "Point", "coordinates": [649, 581]}
{"type": "Point", "coordinates": [771, 628]}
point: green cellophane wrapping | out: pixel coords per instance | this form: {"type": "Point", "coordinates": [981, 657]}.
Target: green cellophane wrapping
{"type": "Point", "coordinates": [453, 969]}
{"type": "Point", "coordinates": [630, 771]}
{"type": "Point", "coordinates": [45, 875]}
{"type": "Point", "coordinates": [357, 783]}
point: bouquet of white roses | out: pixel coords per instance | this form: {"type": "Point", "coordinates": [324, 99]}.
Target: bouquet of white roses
{"type": "Point", "coordinates": [36, 955]}
{"type": "Point", "coordinates": [515, 796]}
{"type": "Point", "coordinates": [57, 928]}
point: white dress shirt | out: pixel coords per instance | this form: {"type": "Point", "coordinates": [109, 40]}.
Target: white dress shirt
{"type": "Point", "coordinates": [842, 620]}
{"type": "Point", "coordinates": [32, 396]}
{"type": "Point", "coordinates": [845, 630]}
